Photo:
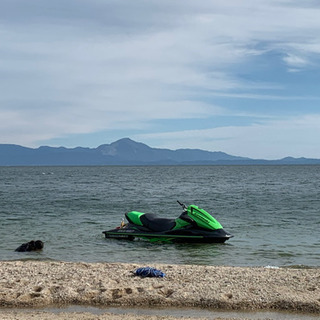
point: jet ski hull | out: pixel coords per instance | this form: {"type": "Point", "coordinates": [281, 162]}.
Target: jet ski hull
{"type": "Point", "coordinates": [172, 236]}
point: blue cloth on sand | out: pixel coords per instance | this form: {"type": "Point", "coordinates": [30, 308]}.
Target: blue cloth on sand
{"type": "Point", "coordinates": [149, 272]}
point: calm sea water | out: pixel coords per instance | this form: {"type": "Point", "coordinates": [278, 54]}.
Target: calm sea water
{"type": "Point", "coordinates": [272, 211]}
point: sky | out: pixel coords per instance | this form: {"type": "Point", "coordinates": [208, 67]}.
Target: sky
{"type": "Point", "coordinates": [242, 77]}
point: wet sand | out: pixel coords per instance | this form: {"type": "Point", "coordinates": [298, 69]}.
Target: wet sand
{"type": "Point", "coordinates": [88, 316]}
{"type": "Point", "coordinates": [35, 284]}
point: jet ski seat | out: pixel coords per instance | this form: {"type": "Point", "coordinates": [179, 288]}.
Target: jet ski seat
{"type": "Point", "coordinates": [152, 222]}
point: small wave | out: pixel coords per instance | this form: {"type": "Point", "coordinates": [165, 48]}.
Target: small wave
{"type": "Point", "coordinates": [33, 259]}
{"type": "Point", "coordinates": [300, 266]}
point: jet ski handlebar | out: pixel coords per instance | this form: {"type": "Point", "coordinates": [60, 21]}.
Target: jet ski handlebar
{"type": "Point", "coordinates": [182, 205]}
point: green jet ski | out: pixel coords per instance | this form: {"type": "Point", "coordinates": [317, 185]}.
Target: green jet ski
{"type": "Point", "coordinates": [193, 225]}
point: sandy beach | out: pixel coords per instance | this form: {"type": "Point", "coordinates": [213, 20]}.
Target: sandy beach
{"type": "Point", "coordinates": [35, 284]}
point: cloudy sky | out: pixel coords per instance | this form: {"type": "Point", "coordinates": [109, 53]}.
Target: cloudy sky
{"type": "Point", "coordinates": [241, 77]}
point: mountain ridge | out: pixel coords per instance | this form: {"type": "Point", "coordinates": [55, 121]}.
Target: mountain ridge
{"type": "Point", "coordinates": [127, 152]}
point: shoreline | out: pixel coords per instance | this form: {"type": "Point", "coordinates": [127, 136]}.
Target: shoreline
{"type": "Point", "coordinates": [33, 284]}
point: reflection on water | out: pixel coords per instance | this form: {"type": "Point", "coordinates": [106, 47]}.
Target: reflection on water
{"type": "Point", "coordinates": [183, 312]}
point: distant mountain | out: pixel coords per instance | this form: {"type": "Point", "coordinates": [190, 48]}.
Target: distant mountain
{"type": "Point", "coordinates": [129, 150]}
{"type": "Point", "coordinates": [126, 152]}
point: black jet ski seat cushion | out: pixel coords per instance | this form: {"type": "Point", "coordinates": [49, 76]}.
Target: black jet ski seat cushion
{"type": "Point", "coordinates": [154, 223]}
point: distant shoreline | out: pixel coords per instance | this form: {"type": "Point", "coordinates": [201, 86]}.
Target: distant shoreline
{"type": "Point", "coordinates": [165, 165]}
{"type": "Point", "coordinates": [128, 152]}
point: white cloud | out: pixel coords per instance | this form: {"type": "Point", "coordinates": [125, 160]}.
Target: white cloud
{"type": "Point", "coordinates": [294, 62]}
{"type": "Point", "coordinates": [294, 136]}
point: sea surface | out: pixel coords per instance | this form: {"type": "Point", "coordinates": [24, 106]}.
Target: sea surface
{"type": "Point", "coordinates": [272, 211]}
